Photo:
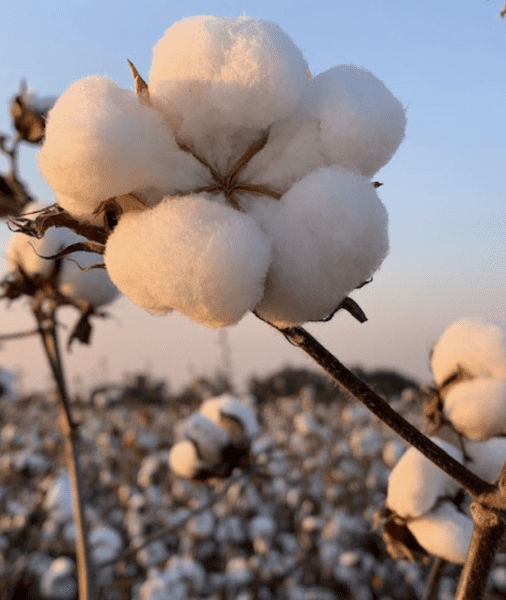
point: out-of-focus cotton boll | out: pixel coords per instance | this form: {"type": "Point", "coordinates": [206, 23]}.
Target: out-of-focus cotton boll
{"type": "Point", "coordinates": [416, 483]}
{"type": "Point", "coordinates": [477, 347]}
{"type": "Point", "coordinates": [486, 459]}
{"type": "Point", "coordinates": [183, 459]}
{"type": "Point", "coordinates": [445, 532]}
{"type": "Point", "coordinates": [329, 235]}
{"type": "Point", "coordinates": [477, 407]}
{"type": "Point", "coordinates": [234, 416]}
{"type": "Point", "coordinates": [361, 122]}
{"type": "Point", "coordinates": [212, 72]}
{"type": "Point", "coordinates": [101, 141]}
{"type": "Point", "coordinates": [292, 151]}
{"type": "Point", "coordinates": [92, 286]}
{"type": "Point", "coordinates": [191, 254]}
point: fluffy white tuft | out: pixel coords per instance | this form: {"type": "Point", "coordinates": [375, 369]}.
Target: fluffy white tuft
{"type": "Point", "coordinates": [486, 458]}
{"type": "Point", "coordinates": [209, 438]}
{"type": "Point", "coordinates": [445, 532]}
{"type": "Point", "coordinates": [361, 122]}
{"type": "Point", "coordinates": [234, 416]}
{"type": "Point", "coordinates": [329, 235]}
{"type": "Point", "coordinates": [415, 483]}
{"type": "Point", "coordinates": [101, 141]}
{"type": "Point", "coordinates": [191, 254]}
{"type": "Point", "coordinates": [474, 345]}
{"type": "Point", "coordinates": [183, 459]}
{"type": "Point", "coordinates": [477, 407]}
{"type": "Point", "coordinates": [92, 286]}
{"type": "Point", "coordinates": [212, 72]}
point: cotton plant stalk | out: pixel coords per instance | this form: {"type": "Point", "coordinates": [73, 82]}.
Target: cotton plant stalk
{"type": "Point", "coordinates": [234, 181]}
{"type": "Point", "coordinates": [50, 283]}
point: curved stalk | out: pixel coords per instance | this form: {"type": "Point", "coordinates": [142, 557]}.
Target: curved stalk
{"type": "Point", "coordinates": [435, 575]}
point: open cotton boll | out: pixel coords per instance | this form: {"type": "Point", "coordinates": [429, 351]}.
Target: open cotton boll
{"type": "Point", "coordinates": [477, 407]}
{"type": "Point", "coordinates": [477, 347]}
{"type": "Point", "coordinates": [292, 151]}
{"type": "Point", "coordinates": [183, 459]}
{"type": "Point", "coordinates": [329, 235]}
{"type": "Point", "coordinates": [210, 439]}
{"type": "Point", "coordinates": [92, 286]}
{"type": "Point", "coordinates": [415, 483]}
{"type": "Point", "coordinates": [486, 458]}
{"type": "Point", "coordinates": [444, 532]}
{"type": "Point", "coordinates": [193, 254]}
{"type": "Point", "coordinates": [208, 72]}
{"type": "Point", "coordinates": [361, 122]}
{"type": "Point", "coordinates": [101, 141]}
{"type": "Point", "coordinates": [235, 417]}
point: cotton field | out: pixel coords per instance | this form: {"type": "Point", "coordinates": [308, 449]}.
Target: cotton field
{"type": "Point", "coordinates": [296, 524]}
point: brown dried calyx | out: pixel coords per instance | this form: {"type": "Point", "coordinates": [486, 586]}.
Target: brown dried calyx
{"type": "Point", "coordinates": [29, 120]}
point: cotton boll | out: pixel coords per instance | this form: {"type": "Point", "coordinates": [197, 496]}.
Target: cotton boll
{"type": "Point", "coordinates": [477, 347]}
{"type": "Point", "coordinates": [486, 458]}
{"type": "Point", "coordinates": [210, 439]}
{"type": "Point", "coordinates": [183, 459]}
{"type": "Point", "coordinates": [477, 407]}
{"type": "Point", "coordinates": [101, 141]}
{"type": "Point", "coordinates": [361, 121]}
{"type": "Point", "coordinates": [292, 151]}
{"type": "Point", "coordinates": [444, 532]}
{"type": "Point", "coordinates": [192, 254]}
{"type": "Point", "coordinates": [416, 483]}
{"type": "Point", "coordinates": [240, 422]}
{"type": "Point", "coordinates": [329, 235]}
{"type": "Point", "coordinates": [92, 286]}
{"type": "Point", "coordinates": [212, 72]}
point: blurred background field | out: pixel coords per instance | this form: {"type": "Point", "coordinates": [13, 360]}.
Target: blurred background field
{"type": "Point", "coordinates": [297, 526]}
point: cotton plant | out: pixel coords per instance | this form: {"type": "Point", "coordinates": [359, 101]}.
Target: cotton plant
{"type": "Point", "coordinates": [425, 510]}
{"type": "Point", "coordinates": [233, 181]}
{"type": "Point", "coordinates": [215, 440]}
{"type": "Point", "coordinates": [35, 270]}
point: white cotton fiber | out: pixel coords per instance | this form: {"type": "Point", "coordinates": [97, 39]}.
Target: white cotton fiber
{"type": "Point", "coordinates": [192, 254]}
{"type": "Point", "coordinates": [477, 347]}
{"type": "Point", "coordinates": [211, 72]}
{"type": "Point", "coordinates": [234, 416]}
{"type": "Point", "coordinates": [183, 459]}
{"type": "Point", "coordinates": [209, 438]}
{"type": "Point", "coordinates": [486, 458]}
{"type": "Point", "coordinates": [101, 141]}
{"type": "Point", "coordinates": [477, 407]}
{"type": "Point", "coordinates": [329, 235]}
{"type": "Point", "coordinates": [92, 286]}
{"type": "Point", "coordinates": [292, 151]}
{"type": "Point", "coordinates": [445, 532]}
{"type": "Point", "coordinates": [361, 122]}
{"type": "Point", "coordinates": [415, 484]}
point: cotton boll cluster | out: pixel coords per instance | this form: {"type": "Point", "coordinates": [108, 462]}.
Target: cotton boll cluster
{"type": "Point", "coordinates": [215, 440]}
{"type": "Point", "coordinates": [25, 257]}
{"type": "Point", "coordinates": [239, 182]}
{"type": "Point", "coordinates": [468, 363]}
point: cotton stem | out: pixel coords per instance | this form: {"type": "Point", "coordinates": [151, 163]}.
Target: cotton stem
{"type": "Point", "coordinates": [359, 390]}
{"type": "Point", "coordinates": [435, 575]}
{"type": "Point", "coordinates": [488, 530]}
{"type": "Point", "coordinates": [51, 348]}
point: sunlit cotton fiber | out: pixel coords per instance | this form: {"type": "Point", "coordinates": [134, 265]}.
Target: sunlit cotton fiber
{"type": "Point", "coordinates": [191, 254]}
{"type": "Point", "coordinates": [486, 459]}
{"type": "Point", "coordinates": [415, 483]}
{"type": "Point", "coordinates": [329, 235]}
{"type": "Point", "coordinates": [477, 347]}
{"type": "Point", "coordinates": [477, 407]}
{"type": "Point", "coordinates": [228, 412]}
{"type": "Point", "coordinates": [102, 142]}
{"type": "Point", "coordinates": [361, 122]}
{"type": "Point", "coordinates": [211, 72]}
{"type": "Point", "coordinates": [445, 532]}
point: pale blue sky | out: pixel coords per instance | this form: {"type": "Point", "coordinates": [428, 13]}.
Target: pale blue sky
{"type": "Point", "coordinates": [444, 189]}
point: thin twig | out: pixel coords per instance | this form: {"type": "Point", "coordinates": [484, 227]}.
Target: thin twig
{"type": "Point", "coordinates": [357, 388]}
{"type": "Point", "coordinates": [435, 575]}
{"type": "Point", "coordinates": [84, 570]}
{"type": "Point", "coordinates": [16, 336]}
